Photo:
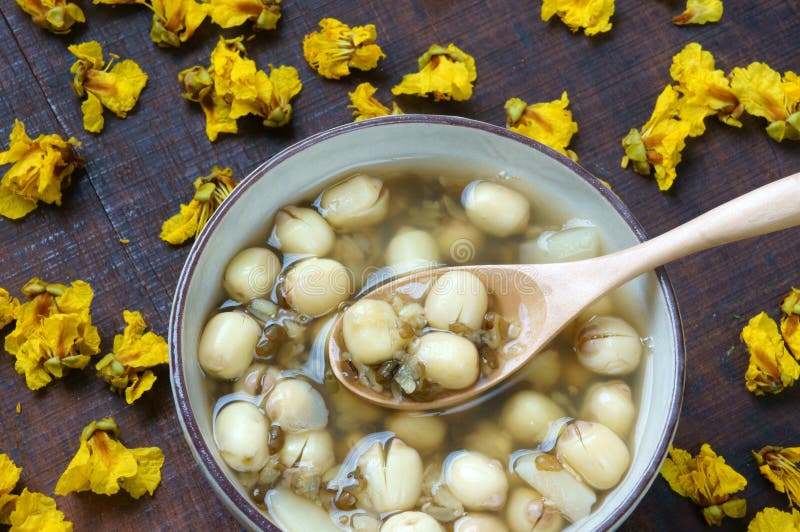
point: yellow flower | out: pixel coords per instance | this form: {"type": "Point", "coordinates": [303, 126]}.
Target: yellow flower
{"type": "Point", "coordinates": [550, 123]}
{"type": "Point", "coordinates": [9, 476]}
{"type": "Point", "coordinates": [705, 91]}
{"type": "Point", "coordinates": [116, 87]}
{"type": "Point", "coordinates": [54, 330]}
{"type": "Point", "coordinates": [233, 87]}
{"type": "Point", "coordinates": [338, 47]}
{"type": "Point", "coordinates": [134, 352]}
{"type": "Point", "coordinates": [764, 93]}
{"type": "Point", "coordinates": [8, 308]}
{"type": "Point", "coordinates": [231, 13]}
{"type": "Point", "coordinates": [174, 21]}
{"type": "Point", "coordinates": [658, 146]}
{"type": "Point", "coordinates": [35, 512]}
{"type": "Point", "coordinates": [771, 367]}
{"type": "Point", "coordinates": [444, 72]}
{"type": "Point", "coordinates": [57, 16]}
{"type": "Point", "coordinates": [781, 466]}
{"type": "Point", "coordinates": [104, 465]}
{"type": "Point", "coordinates": [365, 106]}
{"type": "Point", "coordinates": [42, 168]}
{"type": "Point", "coordinates": [774, 520]}
{"type": "Point", "coordinates": [29, 512]}
{"type": "Point", "coordinates": [708, 481]}
{"type": "Point", "coordinates": [700, 12]}
{"type": "Point", "coordinates": [790, 321]}
{"type": "Point", "coordinates": [210, 192]}
{"type": "Point", "coordinates": [593, 16]}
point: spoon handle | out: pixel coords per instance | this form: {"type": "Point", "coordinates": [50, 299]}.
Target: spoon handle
{"type": "Point", "coordinates": [769, 208]}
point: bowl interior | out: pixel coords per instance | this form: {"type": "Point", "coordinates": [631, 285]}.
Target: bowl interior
{"type": "Point", "coordinates": [422, 144]}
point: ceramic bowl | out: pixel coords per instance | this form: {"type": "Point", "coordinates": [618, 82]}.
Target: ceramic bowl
{"type": "Point", "coordinates": [425, 143]}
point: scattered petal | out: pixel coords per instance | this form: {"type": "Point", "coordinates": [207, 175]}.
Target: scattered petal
{"type": "Point", "coordinates": [57, 16]}
{"type": "Point", "coordinates": [446, 73]}
{"type": "Point", "coordinates": [774, 520]}
{"type": "Point", "coordinates": [365, 106]}
{"type": "Point", "coordinates": [594, 16]}
{"type": "Point", "coordinates": [265, 14]}
{"type": "Point", "coordinates": [550, 123]}
{"type": "Point", "coordinates": [337, 48]}
{"type": "Point", "coordinates": [104, 465]}
{"type": "Point", "coordinates": [210, 192]}
{"type": "Point", "coordinates": [9, 306]}
{"type": "Point", "coordinates": [700, 12]}
{"type": "Point", "coordinates": [764, 93]}
{"type": "Point", "coordinates": [771, 367]}
{"type": "Point", "coordinates": [53, 331]}
{"type": "Point", "coordinates": [781, 466]}
{"type": "Point", "coordinates": [36, 512]}
{"type": "Point", "coordinates": [114, 86]}
{"type": "Point", "coordinates": [41, 169]}
{"type": "Point", "coordinates": [708, 481]}
{"type": "Point", "coordinates": [790, 321]}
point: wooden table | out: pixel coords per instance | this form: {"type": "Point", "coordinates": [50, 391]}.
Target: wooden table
{"type": "Point", "coordinates": [139, 169]}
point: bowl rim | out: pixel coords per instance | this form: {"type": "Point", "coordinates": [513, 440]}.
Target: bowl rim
{"type": "Point", "coordinates": [225, 489]}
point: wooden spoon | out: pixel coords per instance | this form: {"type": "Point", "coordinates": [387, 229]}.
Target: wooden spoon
{"type": "Point", "coordinates": [544, 298]}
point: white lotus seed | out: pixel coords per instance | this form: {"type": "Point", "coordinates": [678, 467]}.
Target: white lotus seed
{"type": "Point", "coordinates": [227, 345]}
{"type": "Point", "coordinates": [360, 201]}
{"type": "Point", "coordinates": [496, 209]}
{"type": "Point", "coordinates": [595, 452]}
{"type": "Point", "coordinates": [609, 346]}
{"type": "Point", "coordinates": [448, 359]}
{"type": "Point", "coordinates": [303, 230]}
{"type": "Point", "coordinates": [457, 297]}
{"type": "Point", "coordinates": [240, 432]}
{"type": "Point", "coordinates": [371, 331]}
{"type": "Point", "coordinates": [251, 274]}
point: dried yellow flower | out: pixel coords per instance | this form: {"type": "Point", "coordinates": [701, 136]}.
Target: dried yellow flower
{"type": "Point", "coordinates": [104, 465]}
{"type": "Point", "coordinates": [594, 16]}
{"type": "Point", "coordinates": [8, 308]}
{"type": "Point", "coordinates": [210, 192]}
{"type": "Point", "coordinates": [657, 147]}
{"type": "Point", "coordinates": [57, 16]}
{"type": "Point", "coordinates": [781, 466]}
{"type": "Point", "coordinates": [233, 87]}
{"type": "Point", "coordinates": [135, 351]}
{"type": "Point", "coordinates": [764, 93]}
{"type": "Point", "coordinates": [53, 331]}
{"type": "Point", "coordinates": [446, 73]}
{"type": "Point", "coordinates": [42, 168]}
{"type": "Point", "coordinates": [708, 481]}
{"type": "Point", "coordinates": [28, 512]}
{"type": "Point", "coordinates": [771, 367]}
{"type": "Point", "coordinates": [265, 14]}
{"type": "Point", "coordinates": [550, 123]}
{"type": "Point", "coordinates": [700, 12]}
{"type": "Point", "coordinates": [174, 21]}
{"type": "Point", "coordinates": [37, 512]}
{"type": "Point", "coordinates": [9, 476]}
{"type": "Point", "coordinates": [116, 87]}
{"type": "Point", "coordinates": [790, 321]}
{"type": "Point", "coordinates": [337, 48]}
{"type": "Point", "coordinates": [705, 91]}
{"type": "Point", "coordinates": [365, 106]}
{"type": "Point", "coordinates": [774, 520]}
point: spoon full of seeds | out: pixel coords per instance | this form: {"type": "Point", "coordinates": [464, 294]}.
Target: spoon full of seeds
{"type": "Point", "coordinates": [378, 357]}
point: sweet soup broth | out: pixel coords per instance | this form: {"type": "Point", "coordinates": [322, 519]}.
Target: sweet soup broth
{"type": "Point", "coordinates": [537, 453]}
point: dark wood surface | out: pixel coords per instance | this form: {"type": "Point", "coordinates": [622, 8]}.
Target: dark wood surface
{"type": "Point", "coordinates": [139, 169]}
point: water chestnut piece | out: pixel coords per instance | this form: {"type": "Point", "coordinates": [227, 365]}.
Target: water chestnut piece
{"type": "Point", "coordinates": [545, 474]}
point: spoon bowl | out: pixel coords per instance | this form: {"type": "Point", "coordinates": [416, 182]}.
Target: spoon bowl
{"type": "Point", "coordinates": [544, 298]}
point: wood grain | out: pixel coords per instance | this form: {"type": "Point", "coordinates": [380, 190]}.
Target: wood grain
{"type": "Point", "coordinates": [140, 168]}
